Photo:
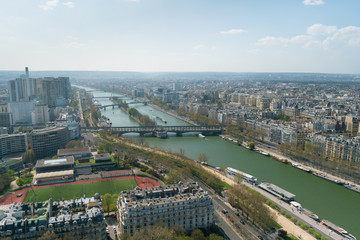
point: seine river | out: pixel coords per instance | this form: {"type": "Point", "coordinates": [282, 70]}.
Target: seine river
{"type": "Point", "coordinates": [328, 200]}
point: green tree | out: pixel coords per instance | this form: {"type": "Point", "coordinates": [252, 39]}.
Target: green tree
{"type": "Point", "coordinates": [197, 234]}
{"type": "Point", "coordinates": [173, 177]}
{"type": "Point", "coordinates": [11, 172]}
{"type": "Point", "coordinates": [49, 235]}
{"type": "Point", "coordinates": [238, 178]}
{"type": "Point", "coordinates": [29, 156]}
{"type": "Point", "coordinates": [251, 145]}
{"type": "Point", "coordinates": [214, 236]}
{"type": "Point", "coordinates": [107, 200]}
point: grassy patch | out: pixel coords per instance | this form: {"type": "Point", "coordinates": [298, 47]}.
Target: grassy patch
{"type": "Point", "coordinates": [78, 190]}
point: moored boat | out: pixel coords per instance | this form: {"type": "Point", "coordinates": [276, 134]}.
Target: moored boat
{"type": "Point", "coordinates": [338, 229]}
{"type": "Point", "coordinates": [352, 187]}
{"type": "Point", "coordinates": [298, 166]}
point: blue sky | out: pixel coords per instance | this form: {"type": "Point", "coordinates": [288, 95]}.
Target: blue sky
{"type": "Point", "coordinates": [181, 35]}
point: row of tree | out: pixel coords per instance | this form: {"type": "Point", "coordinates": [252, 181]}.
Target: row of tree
{"type": "Point", "coordinates": [161, 231]}
{"type": "Point", "coordinates": [251, 205]}
{"type": "Point", "coordinates": [144, 120]}
{"type": "Point", "coordinates": [5, 180]}
{"type": "Point", "coordinates": [122, 104]}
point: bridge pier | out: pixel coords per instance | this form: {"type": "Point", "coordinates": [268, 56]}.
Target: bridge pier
{"type": "Point", "coordinates": [179, 134]}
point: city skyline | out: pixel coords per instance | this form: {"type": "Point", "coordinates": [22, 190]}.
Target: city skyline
{"type": "Point", "coordinates": [181, 36]}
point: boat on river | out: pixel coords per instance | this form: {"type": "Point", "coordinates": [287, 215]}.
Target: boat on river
{"type": "Point", "coordinates": [352, 187]}
{"type": "Point", "coordinates": [277, 191]}
{"type": "Point", "coordinates": [328, 178]}
{"type": "Point", "coordinates": [161, 119]}
{"type": "Point", "coordinates": [201, 136]}
{"type": "Point", "coordinates": [298, 166]}
{"type": "Point", "coordinates": [338, 229]}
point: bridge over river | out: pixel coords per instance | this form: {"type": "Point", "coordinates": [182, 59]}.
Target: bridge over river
{"type": "Point", "coordinates": [161, 131]}
{"type": "Point", "coordinates": [117, 105]}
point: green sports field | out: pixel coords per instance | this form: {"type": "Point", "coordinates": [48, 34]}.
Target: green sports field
{"type": "Point", "coordinates": [67, 192]}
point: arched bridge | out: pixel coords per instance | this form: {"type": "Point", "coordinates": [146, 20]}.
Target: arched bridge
{"type": "Point", "coordinates": [161, 131]}
{"type": "Point", "coordinates": [117, 105]}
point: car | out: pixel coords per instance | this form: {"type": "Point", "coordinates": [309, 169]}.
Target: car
{"type": "Point", "coordinates": [237, 214]}
{"type": "Point", "coordinates": [107, 230]}
{"type": "Point", "coordinates": [19, 195]}
{"type": "Point", "coordinates": [260, 237]}
{"type": "Point", "coordinates": [224, 211]}
{"type": "Point", "coordinates": [242, 221]}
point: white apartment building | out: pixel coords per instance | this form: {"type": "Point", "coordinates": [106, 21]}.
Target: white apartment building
{"type": "Point", "coordinates": [184, 204]}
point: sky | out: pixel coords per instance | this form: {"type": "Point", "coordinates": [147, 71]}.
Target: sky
{"type": "Point", "coordinates": [320, 36]}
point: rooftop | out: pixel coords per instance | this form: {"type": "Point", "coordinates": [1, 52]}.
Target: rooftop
{"type": "Point", "coordinates": [74, 150]}
{"type": "Point", "coordinates": [54, 162]}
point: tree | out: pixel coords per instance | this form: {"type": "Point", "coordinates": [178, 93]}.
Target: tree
{"type": "Point", "coordinates": [197, 234]}
{"type": "Point", "coordinates": [49, 235]}
{"type": "Point", "coordinates": [223, 168]}
{"type": "Point", "coordinates": [238, 178]}
{"type": "Point", "coordinates": [75, 144]}
{"type": "Point", "coordinates": [11, 172]}
{"type": "Point", "coordinates": [202, 157]}
{"type": "Point", "coordinates": [107, 200]}
{"type": "Point", "coordinates": [251, 145]}
{"type": "Point", "coordinates": [107, 147]}
{"type": "Point", "coordinates": [173, 177]}
{"type": "Point", "coordinates": [29, 156]}
{"type": "Point", "coordinates": [214, 236]}
{"type": "Point", "coordinates": [182, 151]}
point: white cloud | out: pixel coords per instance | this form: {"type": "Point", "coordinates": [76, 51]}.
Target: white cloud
{"type": "Point", "coordinates": [320, 29]}
{"type": "Point", "coordinates": [271, 41]}
{"type": "Point", "coordinates": [69, 4]}
{"type": "Point", "coordinates": [318, 36]}
{"type": "Point", "coordinates": [313, 2]}
{"type": "Point", "coordinates": [49, 5]}
{"type": "Point", "coordinates": [233, 31]}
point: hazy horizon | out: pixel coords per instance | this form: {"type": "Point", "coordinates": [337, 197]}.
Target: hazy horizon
{"type": "Point", "coordinates": [303, 36]}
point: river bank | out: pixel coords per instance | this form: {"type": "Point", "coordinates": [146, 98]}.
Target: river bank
{"type": "Point", "coordinates": [287, 224]}
{"type": "Point", "coordinates": [174, 114]}
{"type": "Point", "coordinates": [315, 194]}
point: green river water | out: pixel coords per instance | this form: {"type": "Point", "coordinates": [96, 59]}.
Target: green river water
{"type": "Point", "coordinates": [328, 200]}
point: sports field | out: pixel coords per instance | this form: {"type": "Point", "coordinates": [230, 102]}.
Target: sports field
{"type": "Point", "coordinates": [78, 190]}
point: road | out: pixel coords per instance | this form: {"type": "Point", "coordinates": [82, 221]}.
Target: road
{"type": "Point", "coordinates": [82, 124]}
{"type": "Point", "coordinates": [234, 226]}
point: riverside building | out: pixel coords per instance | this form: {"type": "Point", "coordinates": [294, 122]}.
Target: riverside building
{"type": "Point", "coordinates": [184, 204]}
{"type": "Point", "coordinates": [78, 218]}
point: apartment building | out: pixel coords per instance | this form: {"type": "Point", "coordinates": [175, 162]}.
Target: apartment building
{"type": "Point", "coordinates": [183, 204]}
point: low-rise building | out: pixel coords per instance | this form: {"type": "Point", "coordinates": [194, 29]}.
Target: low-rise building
{"type": "Point", "coordinates": [52, 171]}
{"type": "Point", "coordinates": [186, 205]}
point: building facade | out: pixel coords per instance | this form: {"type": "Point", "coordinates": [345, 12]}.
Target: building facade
{"type": "Point", "coordinates": [45, 142]}
{"type": "Point", "coordinates": [186, 205]}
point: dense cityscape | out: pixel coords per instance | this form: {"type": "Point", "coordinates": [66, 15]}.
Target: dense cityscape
{"type": "Point", "coordinates": [68, 161]}
{"type": "Point", "coordinates": [180, 120]}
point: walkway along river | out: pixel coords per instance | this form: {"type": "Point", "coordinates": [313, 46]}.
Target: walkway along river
{"type": "Point", "coordinates": [328, 200]}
